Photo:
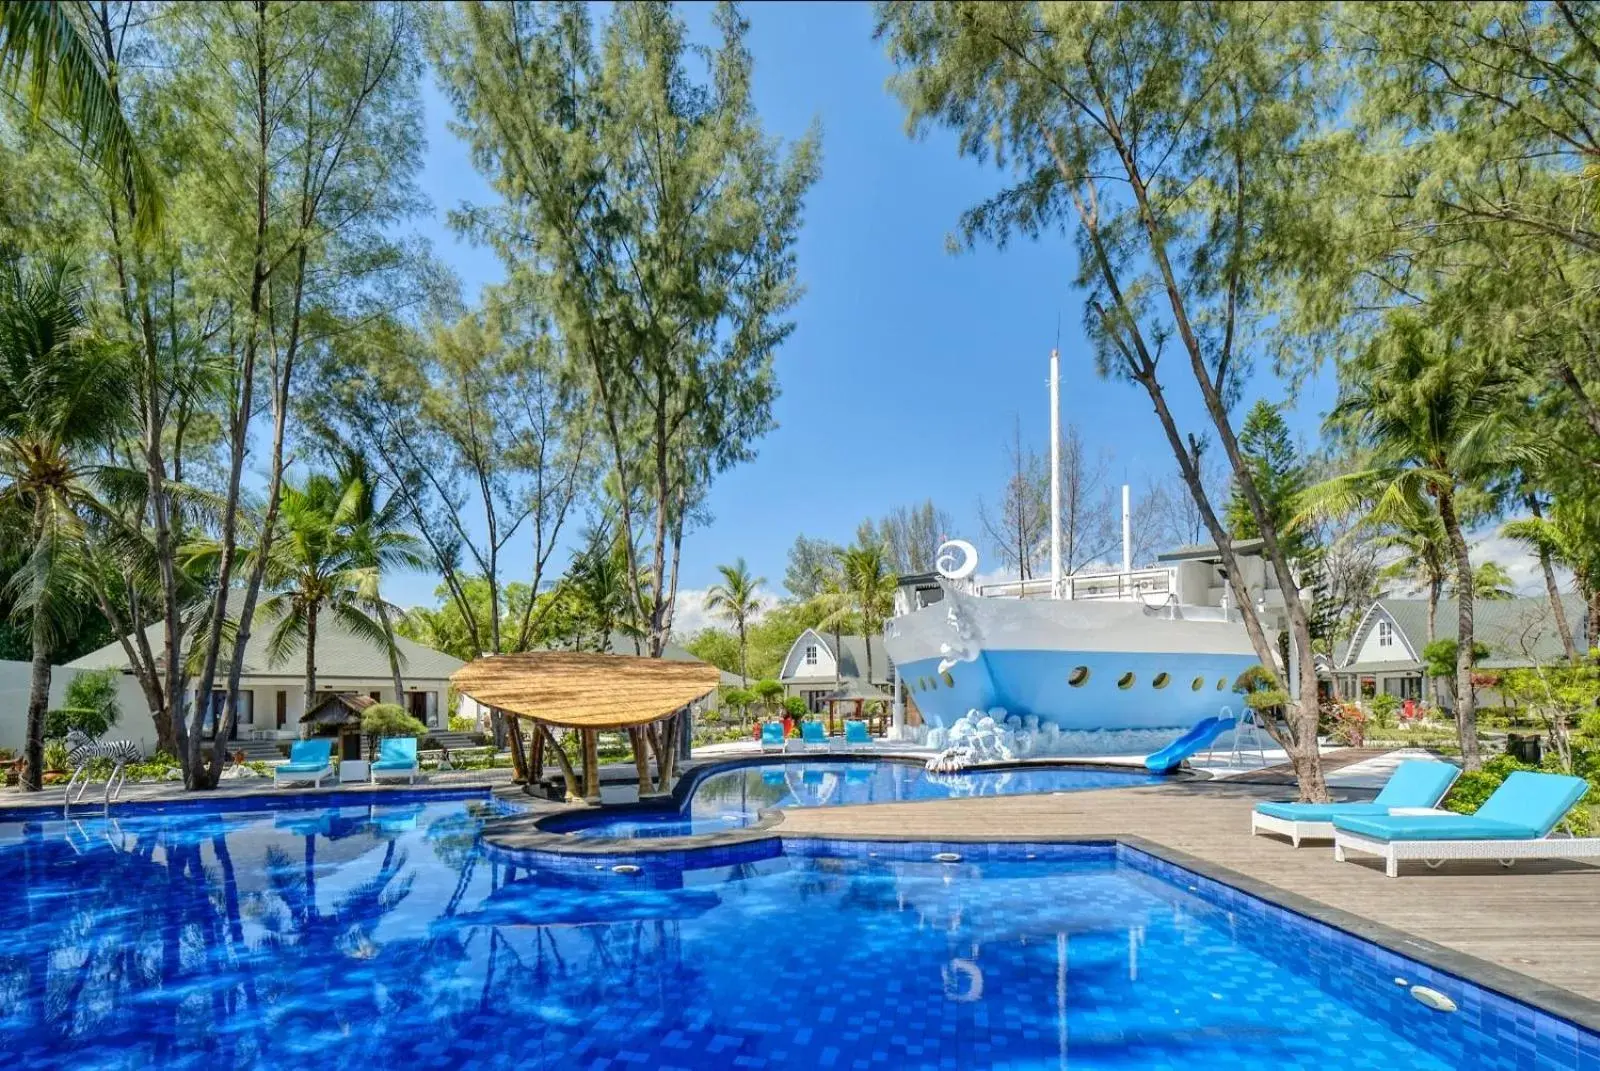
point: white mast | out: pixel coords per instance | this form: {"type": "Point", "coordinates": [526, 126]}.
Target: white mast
{"type": "Point", "coordinates": [1127, 532]}
{"type": "Point", "coordinates": [1055, 474]}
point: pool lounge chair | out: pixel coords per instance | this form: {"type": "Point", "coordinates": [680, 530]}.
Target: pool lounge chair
{"type": "Point", "coordinates": [309, 760]}
{"type": "Point", "coordinates": [397, 757]}
{"type": "Point", "coordinates": [1512, 824]}
{"type": "Point", "coordinates": [856, 735]}
{"type": "Point", "coordinates": [813, 736]}
{"type": "Point", "coordinates": [772, 736]}
{"type": "Point", "coordinates": [1414, 783]}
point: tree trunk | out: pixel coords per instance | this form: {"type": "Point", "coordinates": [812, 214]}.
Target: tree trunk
{"type": "Point", "coordinates": [310, 684]}
{"type": "Point", "coordinates": [394, 652]}
{"type": "Point", "coordinates": [1553, 590]}
{"type": "Point", "coordinates": [744, 672]}
{"type": "Point", "coordinates": [641, 761]}
{"type": "Point", "coordinates": [1466, 699]}
{"type": "Point", "coordinates": [567, 773]}
{"type": "Point", "coordinates": [38, 700]}
{"type": "Point", "coordinates": [590, 739]}
{"type": "Point", "coordinates": [519, 758]}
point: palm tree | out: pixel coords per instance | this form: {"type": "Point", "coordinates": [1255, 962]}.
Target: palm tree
{"type": "Point", "coordinates": [315, 566]}
{"type": "Point", "coordinates": [1491, 583]}
{"type": "Point", "coordinates": [869, 584]}
{"type": "Point", "coordinates": [1569, 536]}
{"type": "Point", "coordinates": [1434, 419]}
{"type": "Point", "coordinates": [63, 398]}
{"type": "Point", "coordinates": [380, 540]}
{"type": "Point", "coordinates": [42, 45]}
{"type": "Point", "coordinates": [737, 599]}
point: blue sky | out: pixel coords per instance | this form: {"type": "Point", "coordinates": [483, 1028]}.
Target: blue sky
{"type": "Point", "coordinates": [907, 364]}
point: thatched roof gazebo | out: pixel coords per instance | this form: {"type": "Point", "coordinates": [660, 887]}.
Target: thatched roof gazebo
{"type": "Point", "coordinates": [589, 693]}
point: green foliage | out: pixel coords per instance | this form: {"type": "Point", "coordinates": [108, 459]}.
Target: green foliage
{"type": "Point", "coordinates": [61, 721]}
{"type": "Point", "coordinates": [1280, 477]}
{"type": "Point", "coordinates": [737, 599]}
{"type": "Point", "coordinates": [1384, 706]}
{"type": "Point", "coordinates": [1255, 678]}
{"type": "Point", "coordinates": [811, 563]}
{"type": "Point", "coordinates": [55, 757]}
{"type": "Point", "coordinates": [768, 693]}
{"type": "Point", "coordinates": [95, 689]}
{"type": "Point", "coordinates": [795, 707]}
{"type": "Point", "coordinates": [1440, 656]}
{"type": "Point", "coordinates": [459, 724]}
{"type": "Point", "coordinates": [390, 719]}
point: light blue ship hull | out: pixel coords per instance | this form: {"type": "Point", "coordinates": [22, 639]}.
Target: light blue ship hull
{"type": "Point", "coordinates": [1083, 667]}
{"type": "Point", "coordinates": [1036, 683]}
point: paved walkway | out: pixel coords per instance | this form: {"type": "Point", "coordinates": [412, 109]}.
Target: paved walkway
{"type": "Point", "coordinates": [1538, 920]}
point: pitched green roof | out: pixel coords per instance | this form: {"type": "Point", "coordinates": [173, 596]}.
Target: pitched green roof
{"type": "Point", "coordinates": [340, 654]}
{"type": "Point", "coordinates": [1516, 631]}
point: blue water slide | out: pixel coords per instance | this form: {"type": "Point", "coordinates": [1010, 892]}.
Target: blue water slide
{"type": "Point", "coordinates": [1167, 759]}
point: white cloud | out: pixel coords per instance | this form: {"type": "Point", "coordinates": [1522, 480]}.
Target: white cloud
{"type": "Point", "coordinates": [689, 613]}
{"type": "Point", "coordinates": [1526, 576]}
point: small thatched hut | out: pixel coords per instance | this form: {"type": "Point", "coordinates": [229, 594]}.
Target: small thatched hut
{"type": "Point", "coordinates": [589, 693]}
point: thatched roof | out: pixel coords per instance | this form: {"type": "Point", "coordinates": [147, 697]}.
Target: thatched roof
{"type": "Point", "coordinates": [338, 708]}
{"type": "Point", "coordinates": [585, 691]}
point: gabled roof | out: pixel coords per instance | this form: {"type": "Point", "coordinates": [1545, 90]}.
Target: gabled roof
{"type": "Point", "coordinates": [851, 656]}
{"type": "Point", "coordinates": [341, 654]}
{"type": "Point", "coordinates": [1515, 630]}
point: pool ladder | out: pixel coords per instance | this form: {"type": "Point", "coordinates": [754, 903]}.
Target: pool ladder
{"type": "Point", "coordinates": [114, 785]}
{"type": "Point", "coordinates": [1245, 726]}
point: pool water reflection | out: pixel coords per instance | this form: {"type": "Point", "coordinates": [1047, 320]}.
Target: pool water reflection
{"type": "Point", "coordinates": [733, 798]}
{"type": "Point", "coordinates": [386, 936]}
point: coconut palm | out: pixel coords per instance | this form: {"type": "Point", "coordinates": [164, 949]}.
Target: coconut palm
{"type": "Point", "coordinates": [63, 398]}
{"type": "Point", "coordinates": [1569, 536]}
{"type": "Point", "coordinates": [315, 566]}
{"type": "Point", "coordinates": [869, 586]}
{"type": "Point", "coordinates": [737, 599]}
{"type": "Point", "coordinates": [1432, 415]}
{"type": "Point", "coordinates": [41, 45]}
{"type": "Point", "coordinates": [1491, 583]}
{"type": "Point", "coordinates": [380, 540]}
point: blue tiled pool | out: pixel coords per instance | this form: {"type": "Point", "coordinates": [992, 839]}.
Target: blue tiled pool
{"type": "Point", "coordinates": [733, 798]}
{"type": "Point", "coordinates": [387, 936]}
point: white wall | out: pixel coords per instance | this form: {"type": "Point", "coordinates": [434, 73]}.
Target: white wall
{"type": "Point", "coordinates": [1372, 651]}
{"type": "Point", "coordinates": [795, 664]}
{"type": "Point", "coordinates": [16, 679]}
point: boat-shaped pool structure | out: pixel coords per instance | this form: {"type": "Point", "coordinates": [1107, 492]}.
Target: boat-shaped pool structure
{"type": "Point", "coordinates": [723, 797]}
{"type": "Point", "coordinates": [384, 931]}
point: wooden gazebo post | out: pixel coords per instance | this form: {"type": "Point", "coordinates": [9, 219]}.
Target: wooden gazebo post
{"type": "Point", "coordinates": [591, 765]}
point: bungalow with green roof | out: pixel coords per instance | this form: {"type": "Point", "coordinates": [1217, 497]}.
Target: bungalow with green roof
{"type": "Point", "coordinates": [1385, 652]}
{"type": "Point", "coordinates": [272, 694]}
{"type": "Point", "coordinates": [814, 670]}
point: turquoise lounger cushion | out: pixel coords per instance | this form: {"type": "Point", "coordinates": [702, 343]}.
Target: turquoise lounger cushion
{"type": "Point", "coordinates": [1418, 783]}
{"type": "Point", "coordinates": [301, 767]}
{"type": "Point", "coordinates": [1535, 800]}
{"type": "Point", "coordinates": [1432, 827]}
{"type": "Point", "coordinates": [811, 732]}
{"type": "Point", "coordinates": [1318, 812]}
{"type": "Point", "coordinates": [311, 753]}
{"type": "Point", "coordinates": [855, 732]}
{"type": "Point", "coordinates": [772, 733]}
{"type": "Point", "coordinates": [397, 751]}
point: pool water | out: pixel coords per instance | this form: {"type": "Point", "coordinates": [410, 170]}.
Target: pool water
{"type": "Point", "coordinates": [390, 937]}
{"type": "Point", "coordinates": [733, 798]}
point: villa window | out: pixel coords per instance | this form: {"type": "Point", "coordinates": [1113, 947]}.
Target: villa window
{"type": "Point", "coordinates": [811, 654]}
{"type": "Point", "coordinates": [1385, 634]}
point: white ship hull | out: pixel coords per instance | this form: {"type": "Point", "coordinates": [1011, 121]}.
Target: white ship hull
{"type": "Point", "coordinates": [1082, 666]}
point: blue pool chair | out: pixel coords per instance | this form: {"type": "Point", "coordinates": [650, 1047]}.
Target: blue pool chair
{"type": "Point", "coordinates": [1414, 783]}
{"type": "Point", "coordinates": [397, 757]}
{"type": "Point", "coordinates": [772, 736]}
{"type": "Point", "coordinates": [1514, 823]}
{"type": "Point", "coordinates": [309, 760]}
{"type": "Point", "coordinates": [813, 736]}
{"type": "Point", "coordinates": [856, 735]}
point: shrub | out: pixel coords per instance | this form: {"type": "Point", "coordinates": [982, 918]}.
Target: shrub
{"type": "Point", "coordinates": [61, 721]}
{"type": "Point", "coordinates": [795, 707]}
{"type": "Point", "coordinates": [95, 689]}
{"type": "Point", "coordinates": [390, 719]}
{"type": "Point", "coordinates": [459, 724]}
{"type": "Point", "coordinates": [1384, 707]}
{"type": "Point", "coordinates": [55, 757]}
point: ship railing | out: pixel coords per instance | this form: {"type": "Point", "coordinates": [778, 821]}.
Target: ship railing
{"type": "Point", "coordinates": [1139, 585]}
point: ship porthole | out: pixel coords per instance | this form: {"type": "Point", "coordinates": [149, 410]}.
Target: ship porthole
{"type": "Point", "coordinates": [1222, 682]}
{"type": "Point", "coordinates": [1125, 681]}
{"type": "Point", "coordinates": [1199, 683]}
{"type": "Point", "coordinates": [1161, 681]}
{"type": "Point", "coordinates": [1078, 677]}
{"type": "Point", "coordinates": [949, 681]}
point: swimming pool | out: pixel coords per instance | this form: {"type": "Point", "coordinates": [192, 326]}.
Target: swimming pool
{"type": "Point", "coordinates": [733, 798]}
{"type": "Point", "coordinates": [388, 936]}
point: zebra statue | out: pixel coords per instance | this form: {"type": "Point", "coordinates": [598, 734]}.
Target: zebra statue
{"type": "Point", "coordinates": [83, 749]}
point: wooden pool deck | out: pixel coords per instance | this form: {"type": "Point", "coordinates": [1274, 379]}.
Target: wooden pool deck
{"type": "Point", "coordinates": [1533, 931]}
